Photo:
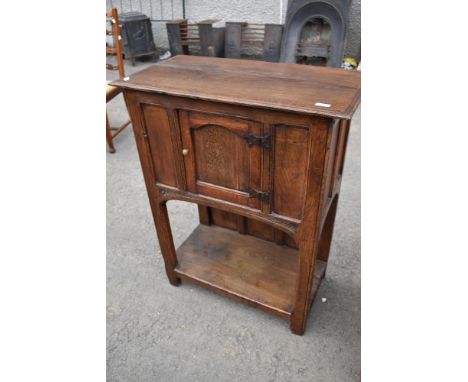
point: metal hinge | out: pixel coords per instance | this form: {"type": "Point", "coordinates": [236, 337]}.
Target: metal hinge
{"type": "Point", "coordinates": [263, 196]}
{"type": "Point", "coordinates": [264, 142]}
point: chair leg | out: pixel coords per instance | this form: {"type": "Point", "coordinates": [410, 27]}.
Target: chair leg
{"type": "Point", "coordinates": [109, 136]}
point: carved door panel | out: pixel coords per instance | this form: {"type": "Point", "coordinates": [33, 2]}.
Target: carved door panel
{"type": "Point", "coordinates": [220, 161]}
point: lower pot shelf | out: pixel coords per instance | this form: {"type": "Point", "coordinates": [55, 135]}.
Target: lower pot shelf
{"type": "Point", "coordinates": [258, 272]}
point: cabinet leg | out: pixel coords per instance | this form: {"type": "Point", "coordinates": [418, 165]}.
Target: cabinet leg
{"type": "Point", "coordinates": [163, 229]}
{"type": "Point", "coordinates": [110, 143]}
{"type": "Point", "coordinates": [327, 232]}
{"type": "Point", "coordinates": [299, 315]}
{"type": "Point", "coordinates": [307, 253]}
{"type": "Point", "coordinates": [297, 327]}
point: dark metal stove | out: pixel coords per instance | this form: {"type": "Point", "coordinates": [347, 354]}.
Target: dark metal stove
{"type": "Point", "coordinates": [315, 32]}
{"type": "Point", "coordinates": [137, 35]}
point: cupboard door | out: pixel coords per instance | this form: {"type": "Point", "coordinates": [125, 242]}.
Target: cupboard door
{"type": "Point", "coordinates": [219, 162]}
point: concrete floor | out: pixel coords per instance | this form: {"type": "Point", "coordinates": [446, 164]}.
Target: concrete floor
{"type": "Point", "coordinates": [157, 332]}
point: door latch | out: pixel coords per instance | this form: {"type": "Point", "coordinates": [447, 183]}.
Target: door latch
{"type": "Point", "coordinates": [264, 142]}
{"type": "Point", "coordinates": [263, 196]}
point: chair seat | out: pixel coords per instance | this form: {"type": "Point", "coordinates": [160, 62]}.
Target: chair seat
{"type": "Point", "coordinates": [111, 91]}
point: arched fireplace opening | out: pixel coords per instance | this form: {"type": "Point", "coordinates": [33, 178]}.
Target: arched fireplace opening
{"type": "Point", "coordinates": [315, 32]}
{"type": "Point", "coordinates": [313, 47]}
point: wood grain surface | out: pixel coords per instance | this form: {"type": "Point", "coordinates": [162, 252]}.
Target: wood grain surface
{"type": "Point", "coordinates": [243, 267]}
{"type": "Point", "coordinates": [245, 141]}
{"type": "Point", "coordinates": [288, 87]}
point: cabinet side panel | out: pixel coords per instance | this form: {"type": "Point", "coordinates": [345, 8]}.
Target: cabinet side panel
{"type": "Point", "coordinates": [159, 138]}
{"type": "Point", "coordinates": [291, 152]}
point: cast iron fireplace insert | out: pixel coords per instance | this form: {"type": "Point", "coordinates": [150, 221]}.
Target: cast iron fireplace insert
{"type": "Point", "coordinates": [315, 32]}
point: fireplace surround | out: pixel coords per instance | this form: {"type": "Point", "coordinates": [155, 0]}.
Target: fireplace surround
{"type": "Point", "coordinates": [315, 32]}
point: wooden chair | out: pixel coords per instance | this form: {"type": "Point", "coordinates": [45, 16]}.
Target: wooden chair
{"type": "Point", "coordinates": [111, 91]}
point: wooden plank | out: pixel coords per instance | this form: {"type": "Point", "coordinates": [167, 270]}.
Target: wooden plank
{"type": "Point", "coordinates": [256, 271]}
{"type": "Point", "coordinates": [252, 227]}
{"type": "Point", "coordinates": [298, 88]}
{"type": "Point", "coordinates": [289, 176]}
{"type": "Point", "coordinates": [158, 133]}
{"type": "Point", "coordinates": [223, 218]}
{"type": "Point", "coordinates": [242, 267]}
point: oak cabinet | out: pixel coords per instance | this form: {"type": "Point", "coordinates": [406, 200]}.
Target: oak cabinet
{"type": "Point", "coordinates": [259, 147]}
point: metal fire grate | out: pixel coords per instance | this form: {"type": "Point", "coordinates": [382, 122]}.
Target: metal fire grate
{"type": "Point", "coordinates": [252, 39]}
{"type": "Point", "coordinates": [203, 38]}
{"type": "Point", "coordinates": [314, 44]}
{"type": "Point", "coordinates": [189, 35]}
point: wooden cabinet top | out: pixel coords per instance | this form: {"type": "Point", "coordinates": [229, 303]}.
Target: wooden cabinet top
{"type": "Point", "coordinates": [328, 92]}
